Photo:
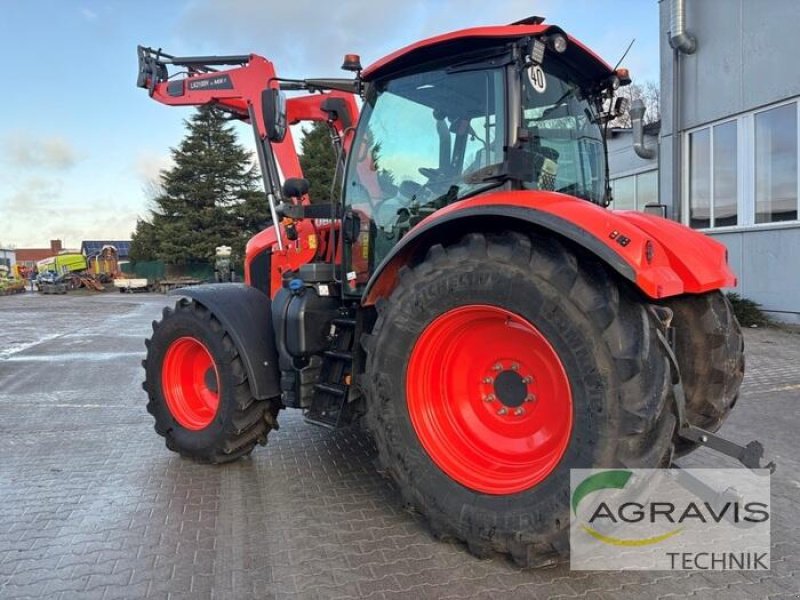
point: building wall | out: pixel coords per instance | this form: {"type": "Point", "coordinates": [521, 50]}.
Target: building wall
{"type": "Point", "coordinates": [622, 160]}
{"type": "Point", "coordinates": [765, 262]}
{"type": "Point", "coordinates": [8, 257]}
{"type": "Point", "coordinates": [634, 180]}
{"type": "Point", "coordinates": [746, 62]}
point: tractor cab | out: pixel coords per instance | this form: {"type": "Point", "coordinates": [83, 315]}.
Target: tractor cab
{"type": "Point", "coordinates": [520, 107]}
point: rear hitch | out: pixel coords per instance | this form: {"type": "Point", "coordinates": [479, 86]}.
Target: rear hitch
{"type": "Point", "coordinates": [750, 455]}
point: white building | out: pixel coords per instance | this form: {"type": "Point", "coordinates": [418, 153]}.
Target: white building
{"type": "Point", "coordinates": [730, 97]}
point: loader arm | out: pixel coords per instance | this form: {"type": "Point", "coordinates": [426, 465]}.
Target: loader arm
{"type": "Point", "coordinates": [238, 89]}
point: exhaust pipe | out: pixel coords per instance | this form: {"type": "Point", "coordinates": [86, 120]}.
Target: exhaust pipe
{"type": "Point", "coordinates": [679, 38]}
{"type": "Point", "coordinates": [637, 123]}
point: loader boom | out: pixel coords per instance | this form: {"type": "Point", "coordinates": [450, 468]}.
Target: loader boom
{"type": "Point", "coordinates": [238, 90]}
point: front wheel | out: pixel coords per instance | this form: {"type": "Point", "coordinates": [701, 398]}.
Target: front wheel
{"type": "Point", "coordinates": [497, 365]}
{"type": "Point", "coordinates": [198, 391]}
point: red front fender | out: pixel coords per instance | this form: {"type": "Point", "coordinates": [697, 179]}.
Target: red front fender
{"type": "Point", "coordinates": [663, 258]}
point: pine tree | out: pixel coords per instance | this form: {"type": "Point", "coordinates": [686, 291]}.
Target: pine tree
{"type": "Point", "coordinates": [318, 160]}
{"type": "Point", "coordinates": [209, 198]}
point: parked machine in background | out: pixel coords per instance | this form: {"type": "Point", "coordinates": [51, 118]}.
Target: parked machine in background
{"type": "Point", "coordinates": [470, 297]}
{"type": "Point", "coordinates": [105, 264]}
{"type": "Point", "coordinates": [223, 270]}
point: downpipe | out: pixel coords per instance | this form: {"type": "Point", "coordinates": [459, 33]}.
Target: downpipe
{"type": "Point", "coordinates": [682, 42]}
{"type": "Point", "coordinates": [637, 123]}
{"type": "Point", "coordinates": [679, 38]}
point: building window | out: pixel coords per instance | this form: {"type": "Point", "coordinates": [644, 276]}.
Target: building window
{"type": "Point", "coordinates": [726, 175]}
{"type": "Point", "coordinates": [634, 192]}
{"type": "Point", "coordinates": [713, 176]}
{"type": "Point", "coordinates": [776, 164]}
{"type": "Point", "coordinates": [744, 171]}
{"type": "Point", "coordinates": [700, 178]}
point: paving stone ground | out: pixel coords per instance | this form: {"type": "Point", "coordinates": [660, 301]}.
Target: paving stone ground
{"type": "Point", "coordinates": [93, 506]}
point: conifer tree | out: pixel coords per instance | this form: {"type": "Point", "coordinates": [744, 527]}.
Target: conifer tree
{"type": "Point", "coordinates": [209, 198]}
{"type": "Point", "coordinates": [318, 160]}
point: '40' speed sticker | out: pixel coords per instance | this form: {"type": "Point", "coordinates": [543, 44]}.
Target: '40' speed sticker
{"type": "Point", "coordinates": [538, 81]}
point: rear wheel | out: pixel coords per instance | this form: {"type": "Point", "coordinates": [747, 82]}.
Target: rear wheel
{"type": "Point", "coordinates": [198, 391]}
{"type": "Point", "coordinates": [496, 366]}
{"type": "Point", "coordinates": [709, 348]}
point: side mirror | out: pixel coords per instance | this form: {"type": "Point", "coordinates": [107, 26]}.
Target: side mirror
{"type": "Point", "coordinates": [273, 106]}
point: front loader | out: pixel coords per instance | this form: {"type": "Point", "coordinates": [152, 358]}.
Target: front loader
{"type": "Point", "coordinates": [468, 296]}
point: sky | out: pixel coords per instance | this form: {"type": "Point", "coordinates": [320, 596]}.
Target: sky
{"type": "Point", "coordinates": [81, 145]}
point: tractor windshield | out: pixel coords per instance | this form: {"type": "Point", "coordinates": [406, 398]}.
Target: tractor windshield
{"type": "Point", "coordinates": [418, 140]}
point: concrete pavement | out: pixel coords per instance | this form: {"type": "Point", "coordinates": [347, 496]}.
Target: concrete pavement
{"type": "Point", "coordinates": [94, 506]}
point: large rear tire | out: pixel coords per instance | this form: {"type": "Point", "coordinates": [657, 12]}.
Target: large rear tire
{"type": "Point", "coordinates": [198, 391]}
{"type": "Point", "coordinates": [537, 327]}
{"type": "Point", "coordinates": [709, 348]}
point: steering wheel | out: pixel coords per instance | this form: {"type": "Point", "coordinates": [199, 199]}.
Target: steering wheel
{"type": "Point", "coordinates": [429, 172]}
{"type": "Point", "coordinates": [437, 184]}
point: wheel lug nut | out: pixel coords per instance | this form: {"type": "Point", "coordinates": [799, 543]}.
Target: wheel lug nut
{"type": "Point", "coordinates": [530, 398]}
{"type": "Point", "coordinates": [519, 412]}
{"type": "Point", "coordinates": [527, 379]}
{"type": "Point", "coordinates": [487, 380]}
{"type": "Point", "coordinates": [502, 411]}
{"type": "Point", "coordinates": [489, 398]}
{"type": "Point", "coordinates": [515, 366]}
{"type": "Point", "coordinates": [497, 367]}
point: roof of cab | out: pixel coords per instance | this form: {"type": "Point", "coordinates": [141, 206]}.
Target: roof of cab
{"type": "Point", "coordinates": [465, 40]}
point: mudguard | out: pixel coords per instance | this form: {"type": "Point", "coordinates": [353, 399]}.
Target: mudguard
{"type": "Point", "coordinates": [661, 257]}
{"type": "Point", "coordinates": [246, 314]}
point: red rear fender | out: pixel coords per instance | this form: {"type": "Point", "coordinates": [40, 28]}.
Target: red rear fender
{"type": "Point", "coordinates": [661, 257]}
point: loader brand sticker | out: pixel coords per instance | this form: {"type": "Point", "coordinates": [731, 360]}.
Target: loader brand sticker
{"type": "Point", "coordinates": [537, 78]}
{"type": "Point", "coordinates": [670, 519]}
{"type": "Point", "coordinates": [217, 82]}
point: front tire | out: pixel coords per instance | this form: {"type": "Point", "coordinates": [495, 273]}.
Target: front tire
{"type": "Point", "coordinates": [198, 391]}
{"type": "Point", "coordinates": [580, 348]}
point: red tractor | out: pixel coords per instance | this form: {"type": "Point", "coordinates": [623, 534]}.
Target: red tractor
{"type": "Point", "coordinates": [469, 297]}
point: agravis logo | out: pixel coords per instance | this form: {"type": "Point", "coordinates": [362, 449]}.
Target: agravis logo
{"type": "Point", "coordinates": [670, 519]}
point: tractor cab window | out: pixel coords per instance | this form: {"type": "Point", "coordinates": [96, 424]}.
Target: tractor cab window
{"type": "Point", "coordinates": [562, 134]}
{"type": "Point", "coordinates": [419, 139]}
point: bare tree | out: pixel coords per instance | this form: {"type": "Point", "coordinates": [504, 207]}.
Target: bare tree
{"type": "Point", "coordinates": [649, 93]}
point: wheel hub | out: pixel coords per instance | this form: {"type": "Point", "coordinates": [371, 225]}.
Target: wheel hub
{"type": "Point", "coordinates": [510, 389]}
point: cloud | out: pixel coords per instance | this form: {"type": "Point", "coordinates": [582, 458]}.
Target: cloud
{"type": "Point", "coordinates": [148, 166]}
{"type": "Point", "coordinates": [35, 196]}
{"type": "Point", "coordinates": [88, 14]}
{"type": "Point", "coordinates": [40, 209]}
{"type": "Point", "coordinates": [26, 151]}
{"type": "Point", "coordinates": [308, 38]}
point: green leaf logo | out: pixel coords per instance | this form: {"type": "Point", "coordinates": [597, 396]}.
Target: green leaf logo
{"type": "Point", "coordinates": [612, 479]}
{"type": "Point", "coordinates": [597, 482]}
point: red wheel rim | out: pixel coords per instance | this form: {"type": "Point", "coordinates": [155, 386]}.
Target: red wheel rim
{"type": "Point", "coordinates": [489, 399]}
{"type": "Point", "coordinates": [190, 383]}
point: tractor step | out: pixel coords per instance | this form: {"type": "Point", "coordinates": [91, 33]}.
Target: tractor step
{"type": "Point", "coordinates": [333, 389]}
{"type": "Point", "coordinates": [339, 355]}
{"type": "Point", "coordinates": [323, 419]}
{"type": "Point", "coordinates": [343, 322]}
{"type": "Point", "coordinates": [329, 406]}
